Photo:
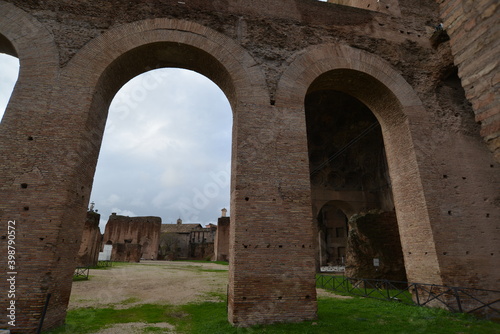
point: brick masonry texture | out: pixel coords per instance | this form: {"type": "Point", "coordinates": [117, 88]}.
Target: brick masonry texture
{"type": "Point", "coordinates": [473, 29]}
{"type": "Point", "coordinates": [266, 55]}
{"type": "Point", "coordinates": [143, 231]}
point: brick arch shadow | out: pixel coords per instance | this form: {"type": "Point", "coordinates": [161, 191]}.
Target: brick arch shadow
{"type": "Point", "coordinates": [384, 91]}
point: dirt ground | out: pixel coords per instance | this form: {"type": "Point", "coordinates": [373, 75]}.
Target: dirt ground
{"type": "Point", "coordinates": [169, 282]}
{"type": "Point", "coordinates": [149, 282]}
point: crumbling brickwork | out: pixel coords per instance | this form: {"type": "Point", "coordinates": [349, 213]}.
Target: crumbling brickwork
{"type": "Point", "coordinates": [91, 241]}
{"type": "Point", "coordinates": [143, 231]}
{"type": "Point", "coordinates": [222, 239]}
{"type": "Point", "coordinates": [473, 29]}
{"type": "Point", "coordinates": [374, 247]}
{"type": "Point", "coordinates": [267, 56]}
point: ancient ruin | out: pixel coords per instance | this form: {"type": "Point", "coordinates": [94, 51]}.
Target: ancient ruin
{"type": "Point", "coordinates": [305, 79]}
{"type": "Point", "coordinates": [91, 241]}
{"type": "Point", "coordinates": [186, 241]}
{"type": "Point", "coordinates": [133, 238]}
{"type": "Point", "coordinates": [221, 243]}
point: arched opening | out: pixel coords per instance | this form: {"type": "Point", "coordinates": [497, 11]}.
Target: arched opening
{"type": "Point", "coordinates": [348, 165]}
{"type": "Point", "coordinates": [9, 69]}
{"type": "Point", "coordinates": [333, 229]}
{"type": "Point", "coordinates": [166, 153]}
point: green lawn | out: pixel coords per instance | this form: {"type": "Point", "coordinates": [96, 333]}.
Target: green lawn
{"type": "Point", "coordinates": [356, 315]}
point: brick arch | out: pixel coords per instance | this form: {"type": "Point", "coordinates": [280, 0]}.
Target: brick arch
{"type": "Point", "coordinates": [20, 31]}
{"type": "Point", "coordinates": [242, 81]}
{"type": "Point", "coordinates": [397, 107]}
{"type": "Point", "coordinates": [24, 37]}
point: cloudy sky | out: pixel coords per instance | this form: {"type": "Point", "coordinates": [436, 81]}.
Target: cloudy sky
{"type": "Point", "coordinates": [166, 148]}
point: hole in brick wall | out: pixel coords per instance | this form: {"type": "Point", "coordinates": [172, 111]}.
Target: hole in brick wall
{"type": "Point", "coordinates": [247, 199]}
{"type": "Point", "coordinates": [445, 253]}
{"type": "Point", "coordinates": [3, 237]}
{"type": "Point", "coordinates": [307, 296]}
{"type": "Point", "coordinates": [268, 245]}
{"type": "Point", "coordinates": [303, 246]}
{"type": "Point", "coordinates": [409, 253]}
{"type": "Point", "coordinates": [245, 246]}
{"type": "Point", "coordinates": [464, 178]}
{"type": "Point", "coordinates": [445, 176]}
{"type": "Point", "coordinates": [491, 166]}
{"type": "Point", "coordinates": [280, 297]}
{"type": "Point", "coordinates": [24, 185]}
{"type": "Point", "coordinates": [273, 102]}
{"type": "Point", "coordinates": [426, 253]}
{"type": "Point", "coordinates": [30, 138]}
{"type": "Point", "coordinates": [467, 252]}
{"type": "Point", "coordinates": [244, 298]}
{"type": "Point", "coordinates": [280, 246]}
{"type": "Point", "coordinates": [41, 239]}
{"type": "Point", "coordinates": [26, 208]}
{"type": "Point", "coordinates": [449, 213]}
{"type": "Point", "coordinates": [491, 254]}
{"type": "Point", "coordinates": [487, 215]}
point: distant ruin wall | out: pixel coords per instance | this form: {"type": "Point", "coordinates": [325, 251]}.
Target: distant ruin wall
{"type": "Point", "coordinates": [144, 231]}
{"type": "Point", "coordinates": [126, 252]}
{"type": "Point", "coordinates": [91, 241]}
{"type": "Point", "coordinates": [222, 239]}
{"type": "Point", "coordinates": [475, 46]}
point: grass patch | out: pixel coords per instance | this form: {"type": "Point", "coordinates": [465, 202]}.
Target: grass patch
{"type": "Point", "coordinates": [356, 315]}
{"type": "Point", "coordinates": [213, 270]}
{"type": "Point", "coordinates": [224, 263]}
{"type": "Point", "coordinates": [90, 320]}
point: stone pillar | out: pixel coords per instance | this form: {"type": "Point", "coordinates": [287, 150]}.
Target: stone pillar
{"type": "Point", "coordinates": [272, 267]}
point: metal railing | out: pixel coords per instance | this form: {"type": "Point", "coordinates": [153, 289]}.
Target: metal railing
{"type": "Point", "coordinates": [456, 299]}
{"type": "Point", "coordinates": [81, 273]}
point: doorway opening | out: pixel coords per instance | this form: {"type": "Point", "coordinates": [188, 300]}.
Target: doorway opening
{"type": "Point", "coordinates": [350, 182]}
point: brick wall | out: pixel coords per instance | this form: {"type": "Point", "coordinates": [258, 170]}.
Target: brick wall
{"type": "Point", "coordinates": [91, 241]}
{"type": "Point", "coordinates": [144, 231]}
{"type": "Point", "coordinates": [266, 56]}
{"type": "Point", "coordinates": [221, 246]}
{"type": "Point", "coordinates": [474, 39]}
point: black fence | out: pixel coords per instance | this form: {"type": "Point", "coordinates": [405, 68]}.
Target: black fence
{"type": "Point", "coordinates": [81, 273]}
{"type": "Point", "coordinates": [464, 300]}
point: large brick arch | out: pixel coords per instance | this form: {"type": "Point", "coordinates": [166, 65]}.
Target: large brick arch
{"type": "Point", "coordinates": [397, 107]}
{"type": "Point", "coordinates": [24, 37]}
{"type": "Point", "coordinates": [22, 157]}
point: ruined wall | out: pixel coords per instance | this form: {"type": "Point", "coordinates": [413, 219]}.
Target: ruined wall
{"type": "Point", "coordinates": [265, 55]}
{"type": "Point", "coordinates": [126, 252]}
{"type": "Point", "coordinates": [144, 231]}
{"type": "Point", "coordinates": [473, 29]}
{"type": "Point", "coordinates": [222, 239]}
{"type": "Point", "coordinates": [91, 241]}
{"type": "Point", "coordinates": [374, 235]}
